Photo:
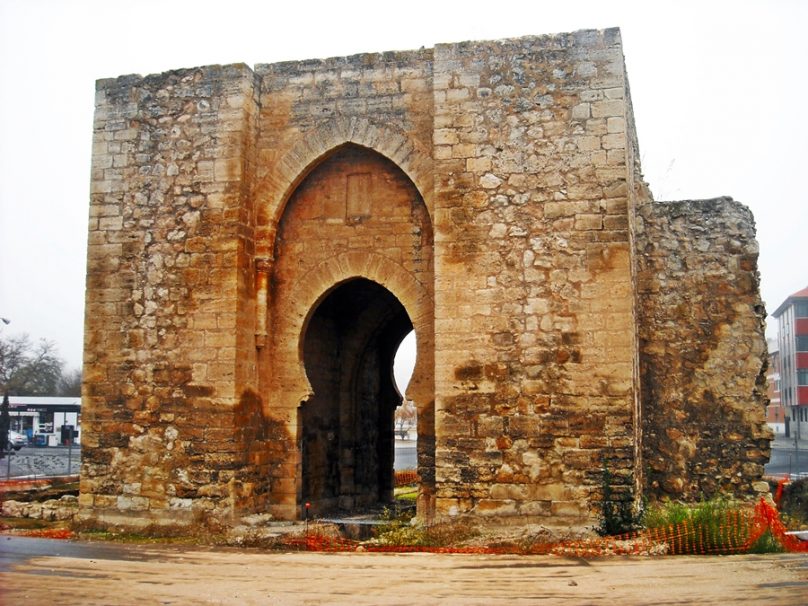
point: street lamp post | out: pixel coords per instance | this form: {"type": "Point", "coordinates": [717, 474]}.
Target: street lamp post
{"type": "Point", "coordinates": [5, 421]}
{"type": "Point", "coordinates": [794, 415]}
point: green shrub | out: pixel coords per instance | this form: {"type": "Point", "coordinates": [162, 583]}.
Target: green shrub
{"type": "Point", "coordinates": [794, 504]}
{"type": "Point", "coordinates": [618, 515]}
{"type": "Point", "coordinates": [767, 543]}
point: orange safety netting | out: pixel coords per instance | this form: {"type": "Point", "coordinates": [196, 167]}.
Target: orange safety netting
{"type": "Point", "coordinates": [50, 533]}
{"type": "Point", "coordinates": [406, 477]}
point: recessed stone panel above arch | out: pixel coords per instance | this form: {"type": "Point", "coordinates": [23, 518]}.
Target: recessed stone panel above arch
{"type": "Point", "coordinates": [278, 181]}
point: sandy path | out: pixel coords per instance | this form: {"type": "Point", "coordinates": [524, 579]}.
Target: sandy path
{"type": "Point", "coordinates": [171, 576]}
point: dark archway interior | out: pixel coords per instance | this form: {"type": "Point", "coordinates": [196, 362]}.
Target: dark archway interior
{"type": "Point", "coordinates": [346, 428]}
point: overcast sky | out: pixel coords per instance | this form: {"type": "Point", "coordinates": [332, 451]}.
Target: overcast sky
{"type": "Point", "coordinates": [719, 92]}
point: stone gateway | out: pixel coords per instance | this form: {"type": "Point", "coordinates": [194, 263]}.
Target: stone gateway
{"type": "Point", "coordinates": [261, 240]}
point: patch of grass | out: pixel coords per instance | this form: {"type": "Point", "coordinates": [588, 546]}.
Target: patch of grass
{"type": "Point", "coordinates": [668, 514]}
{"type": "Point", "coordinates": [203, 529]}
{"type": "Point", "coordinates": [406, 493]}
{"type": "Point", "coordinates": [29, 524]}
{"type": "Point", "coordinates": [398, 530]}
{"type": "Point", "coordinates": [715, 526]}
{"type": "Point", "coordinates": [705, 527]}
{"type": "Point", "coordinates": [149, 534]}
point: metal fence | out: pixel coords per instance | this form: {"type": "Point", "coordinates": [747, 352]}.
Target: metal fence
{"type": "Point", "coordinates": [40, 462]}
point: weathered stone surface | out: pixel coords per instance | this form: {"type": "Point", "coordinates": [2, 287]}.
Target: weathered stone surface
{"type": "Point", "coordinates": [703, 352]}
{"type": "Point", "coordinates": [260, 241]}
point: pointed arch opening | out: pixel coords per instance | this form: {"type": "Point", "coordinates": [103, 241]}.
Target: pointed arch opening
{"type": "Point", "coordinates": [352, 275]}
{"type": "Point", "coordinates": [346, 427]}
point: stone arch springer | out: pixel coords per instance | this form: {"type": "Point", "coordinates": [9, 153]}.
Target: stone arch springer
{"type": "Point", "coordinates": [311, 147]}
{"type": "Point", "coordinates": [322, 280]}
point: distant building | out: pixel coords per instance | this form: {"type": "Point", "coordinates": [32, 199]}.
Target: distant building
{"type": "Point", "coordinates": [46, 421]}
{"type": "Point", "coordinates": [792, 341]}
{"type": "Point", "coordinates": [776, 414]}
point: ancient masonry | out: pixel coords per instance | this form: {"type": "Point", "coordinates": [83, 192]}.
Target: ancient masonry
{"type": "Point", "coordinates": [261, 240]}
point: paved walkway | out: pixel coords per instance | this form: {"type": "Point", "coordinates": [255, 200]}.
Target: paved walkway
{"type": "Point", "coordinates": [70, 573]}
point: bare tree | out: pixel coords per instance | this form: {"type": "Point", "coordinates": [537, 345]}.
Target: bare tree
{"type": "Point", "coordinates": [28, 369]}
{"type": "Point", "coordinates": [69, 383]}
{"type": "Point", "coordinates": [405, 418]}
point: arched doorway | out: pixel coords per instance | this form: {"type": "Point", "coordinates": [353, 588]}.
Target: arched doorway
{"type": "Point", "coordinates": [352, 275]}
{"type": "Point", "coordinates": [345, 429]}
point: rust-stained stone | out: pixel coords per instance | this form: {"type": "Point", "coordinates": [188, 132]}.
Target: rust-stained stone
{"type": "Point", "coordinates": [260, 241]}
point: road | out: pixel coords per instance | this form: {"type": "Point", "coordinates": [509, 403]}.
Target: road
{"type": "Point", "coordinates": [38, 571]}
{"type": "Point", "coordinates": [785, 460]}
{"type": "Point", "coordinates": [406, 456]}
{"type": "Point", "coordinates": [51, 461]}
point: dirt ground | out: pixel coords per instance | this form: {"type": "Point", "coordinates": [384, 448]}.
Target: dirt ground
{"type": "Point", "coordinates": [172, 575]}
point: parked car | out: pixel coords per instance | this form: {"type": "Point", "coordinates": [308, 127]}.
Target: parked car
{"type": "Point", "coordinates": [16, 440]}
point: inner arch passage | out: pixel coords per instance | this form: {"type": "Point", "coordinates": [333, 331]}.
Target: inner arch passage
{"type": "Point", "coordinates": [346, 428]}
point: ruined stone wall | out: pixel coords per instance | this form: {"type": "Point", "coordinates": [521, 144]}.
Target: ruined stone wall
{"type": "Point", "coordinates": [168, 261]}
{"type": "Point", "coordinates": [534, 326]}
{"type": "Point", "coordinates": [703, 349]}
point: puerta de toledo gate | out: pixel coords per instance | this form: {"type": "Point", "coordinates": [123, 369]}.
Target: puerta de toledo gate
{"type": "Point", "coordinates": [261, 240]}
